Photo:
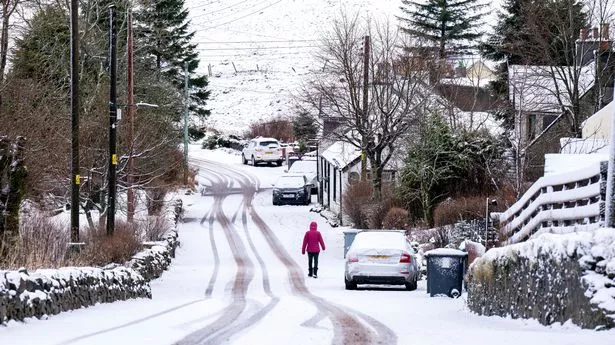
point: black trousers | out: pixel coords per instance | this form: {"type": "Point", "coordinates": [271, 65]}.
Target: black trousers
{"type": "Point", "coordinates": [313, 263]}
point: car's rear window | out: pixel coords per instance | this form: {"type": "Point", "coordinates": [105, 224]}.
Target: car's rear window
{"type": "Point", "coordinates": [267, 143]}
{"type": "Point", "coordinates": [376, 239]}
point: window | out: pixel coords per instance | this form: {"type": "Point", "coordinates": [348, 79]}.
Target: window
{"type": "Point", "coordinates": [353, 177]}
{"type": "Point", "coordinates": [531, 127]}
{"type": "Point", "coordinates": [334, 183]}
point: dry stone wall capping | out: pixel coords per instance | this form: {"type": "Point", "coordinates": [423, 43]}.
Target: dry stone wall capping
{"type": "Point", "coordinates": [46, 292]}
{"type": "Point", "coordinates": [554, 278]}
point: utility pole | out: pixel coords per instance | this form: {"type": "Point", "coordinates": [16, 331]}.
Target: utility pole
{"type": "Point", "coordinates": [365, 102]}
{"type": "Point", "coordinates": [74, 111]}
{"type": "Point", "coordinates": [609, 217]}
{"type": "Point", "coordinates": [186, 101]}
{"type": "Point", "coordinates": [130, 115]}
{"type": "Point", "coordinates": [112, 120]}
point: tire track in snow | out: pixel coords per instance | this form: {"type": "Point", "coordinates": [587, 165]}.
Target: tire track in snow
{"type": "Point", "coordinates": [347, 329]}
{"type": "Point", "coordinates": [227, 326]}
{"type": "Point", "coordinates": [236, 329]}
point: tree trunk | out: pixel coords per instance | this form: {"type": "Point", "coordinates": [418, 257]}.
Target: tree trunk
{"type": "Point", "coordinates": [5, 157]}
{"type": "Point", "coordinates": [16, 189]}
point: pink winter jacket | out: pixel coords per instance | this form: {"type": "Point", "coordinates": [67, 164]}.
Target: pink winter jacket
{"type": "Point", "coordinates": [311, 240]}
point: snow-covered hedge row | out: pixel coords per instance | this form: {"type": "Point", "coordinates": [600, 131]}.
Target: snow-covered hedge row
{"type": "Point", "coordinates": [553, 278]}
{"type": "Point", "coordinates": [51, 291]}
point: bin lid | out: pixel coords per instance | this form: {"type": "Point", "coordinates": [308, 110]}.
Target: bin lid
{"type": "Point", "coordinates": [353, 231]}
{"type": "Point", "coordinates": [446, 252]}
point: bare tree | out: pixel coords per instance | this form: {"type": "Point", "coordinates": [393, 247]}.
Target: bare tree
{"type": "Point", "coordinates": [396, 89]}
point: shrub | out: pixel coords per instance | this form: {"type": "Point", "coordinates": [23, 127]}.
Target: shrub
{"type": "Point", "coordinates": [280, 129]}
{"type": "Point", "coordinates": [154, 228]}
{"type": "Point", "coordinates": [101, 249]}
{"type": "Point", "coordinates": [42, 243]}
{"type": "Point", "coordinates": [396, 218]}
{"type": "Point", "coordinates": [378, 211]}
{"type": "Point", "coordinates": [452, 211]}
{"type": "Point", "coordinates": [358, 195]}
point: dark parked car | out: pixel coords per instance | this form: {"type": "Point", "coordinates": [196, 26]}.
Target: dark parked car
{"type": "Point", "coordinates": [307, 168]}
{"type": "Point", "coordinates": [292, 189]}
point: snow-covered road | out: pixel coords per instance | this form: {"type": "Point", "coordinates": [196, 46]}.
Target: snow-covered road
{"type": "Point", "coordinates": [239, 278]}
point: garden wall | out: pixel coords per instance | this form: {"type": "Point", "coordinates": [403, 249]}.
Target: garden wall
{"type": "Point", "coordinates": [554, 278]}
{"type": "Point", "coordinates": [51, 291]}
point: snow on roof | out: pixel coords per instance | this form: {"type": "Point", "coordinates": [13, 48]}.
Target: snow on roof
{"type": "Point", "coordinates": [558, 163]}
{"type": "Point", "coordinates": [583, 145]}
{"type": "Point", "coordinates": [341, 154]}
{"type": "Point", "coordinates": [533, 88]}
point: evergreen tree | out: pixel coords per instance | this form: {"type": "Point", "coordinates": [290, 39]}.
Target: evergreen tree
{"type": "Point", "coordinates": [448, 24]}
{"type": "Point", "coordinates": [535, 32]}
{"type": "Point", "coordinates": [161, 30]}
{"type": "Point", "coordinates": [304, 126]}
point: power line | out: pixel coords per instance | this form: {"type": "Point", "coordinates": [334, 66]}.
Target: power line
{"type": "Point", "coordinates": [255, 48]}
{"type": "Point", "coordinates": [255, 42]}
{"type": "Point", "coordinates": [242, 17]}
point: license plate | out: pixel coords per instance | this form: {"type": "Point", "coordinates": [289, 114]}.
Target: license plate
{"type": "Point", "coordinates": [288, 195]}
{"type": "Point", "coordinates": [268, 152]}
{"type": "Point", "coordinates": [378, 258]}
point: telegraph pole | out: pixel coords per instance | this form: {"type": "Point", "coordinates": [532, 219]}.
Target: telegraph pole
{"type": "Point", "coordinates": [186, 101]}
{"type": "Point", "coordinates": [112, 120]}
{"type": "Point", "coordinates": [74, 111]}
{"type": "Point", "coordinates": [130, 117]}
{"type": "Point", "coordinates": [365, 104]}
{"type": "Point", "coordinates": [609, 217]}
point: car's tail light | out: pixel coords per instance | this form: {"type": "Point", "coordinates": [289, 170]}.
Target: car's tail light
{"type": "Point", "coordinates": [405, 257]}
{"type": "Point", "coordinates": [352, 259]}
{"type": "Point", "coordinates": [258, 149]}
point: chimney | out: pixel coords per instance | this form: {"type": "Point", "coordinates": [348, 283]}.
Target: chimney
{"type": "Point", "coordinates": [605, 32]}
{"type": "Point", "coordinates": [596, 34]}
{"type": "Point", "coordinates": [584, 34]}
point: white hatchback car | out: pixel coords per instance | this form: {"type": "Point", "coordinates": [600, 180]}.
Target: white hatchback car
{"type": "Point", "coordinates": [308, 169]}
{"type": "Point", "coordinates": [381, 257]}
{"type": "Point", "coordinates": [262, 150]}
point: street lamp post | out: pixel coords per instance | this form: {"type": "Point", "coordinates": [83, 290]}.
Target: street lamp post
{"type": "Point", "coordinates": [487, 216]}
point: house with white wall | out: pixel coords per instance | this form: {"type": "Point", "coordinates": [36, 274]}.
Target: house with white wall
{"type": "Point", "coordinates": [339, 166]}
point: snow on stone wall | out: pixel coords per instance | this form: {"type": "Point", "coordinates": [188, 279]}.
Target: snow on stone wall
{"type": "Point", "coordinates": [553, 278]}
{"type": "Point", "coordinates": [47, 292]}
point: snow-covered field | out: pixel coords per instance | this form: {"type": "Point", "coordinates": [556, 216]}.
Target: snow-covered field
{"type": "Point", "coordinates": [181, 304]}
{"type": "Point", "coordinates": [261, 52]}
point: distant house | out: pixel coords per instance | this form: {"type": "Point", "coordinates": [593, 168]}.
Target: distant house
{"type": "Point", "coordinates": [340, 166]}
{"type": "Point", "coordinates": [541, 103]}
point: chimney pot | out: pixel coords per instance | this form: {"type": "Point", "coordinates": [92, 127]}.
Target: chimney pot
{"type": "Point", "coordinates": [596, 34]}
{"type": "Point", "coordinates": [605, 31]}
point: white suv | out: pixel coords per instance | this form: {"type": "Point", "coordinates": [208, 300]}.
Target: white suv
{"type": "Point", "coordinates": [262, 150]}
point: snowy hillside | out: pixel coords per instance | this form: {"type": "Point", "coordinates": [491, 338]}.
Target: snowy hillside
{"type": "Point", "coordinates": [261, 51]}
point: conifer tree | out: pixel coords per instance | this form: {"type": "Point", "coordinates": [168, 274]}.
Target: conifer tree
{"type": "Point", "coordinates": [451, 25]}
{"type": "Point", "coordinates": [162, 31]}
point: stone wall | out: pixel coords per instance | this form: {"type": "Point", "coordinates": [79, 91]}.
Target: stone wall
{"type": "Point", "coordinates": [47, 292]}
{"type": "Point", "coordinates": [554, 278]}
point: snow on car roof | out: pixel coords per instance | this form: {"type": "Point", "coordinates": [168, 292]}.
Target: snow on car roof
{"type": "Point", "coordinates": [378, 239]}
{"type": "Point", "coordinates": [292, 181]}
{"type": "Point", "coordinates": [303, 166]}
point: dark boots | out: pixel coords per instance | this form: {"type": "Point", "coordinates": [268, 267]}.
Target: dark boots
{"type": "Point", "coordinates": [310, 272]}
{"type": "Point", "coordinates": [316, 273]}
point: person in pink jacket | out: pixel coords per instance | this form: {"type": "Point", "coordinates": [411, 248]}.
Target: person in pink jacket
{"type": "Point", "coordinates": [312, 241]}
